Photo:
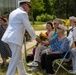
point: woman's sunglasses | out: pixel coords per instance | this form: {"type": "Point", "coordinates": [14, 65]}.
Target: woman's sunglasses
{"type": "Point", "coordinates": [59, 28]}
{"type": "Point", "coordinates": [55, 23]}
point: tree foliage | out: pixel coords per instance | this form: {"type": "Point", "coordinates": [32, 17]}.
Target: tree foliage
{"type": "Point", "coordinates": [47, 6]}
{"type": "Point", "coordinates": [64, 8]}
{"type": "Point", "coordinates": [37, 7]}
{"type": "Point", "coordinates": [59, 8]}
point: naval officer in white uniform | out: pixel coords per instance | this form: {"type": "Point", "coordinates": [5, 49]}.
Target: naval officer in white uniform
{"type": "Point", "coordinates": [18, 22]}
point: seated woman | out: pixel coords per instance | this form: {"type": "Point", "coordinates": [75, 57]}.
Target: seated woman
{"type": "Point", "coordinates": [4, 48]}
{"type": "Point", "coordinates": [39, 48]}
{"type": "Point", "coordinates": [59, 45]}
{"type": "Point", "coordinates": [49, 32]}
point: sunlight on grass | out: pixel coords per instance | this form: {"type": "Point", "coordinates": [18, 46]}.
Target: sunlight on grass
{"type": "Point", "coordinates": [38, 23]}
{"type": "Point", "coordinates": [39, 27]}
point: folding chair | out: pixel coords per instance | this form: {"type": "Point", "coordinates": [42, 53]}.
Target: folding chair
{"type": "Point", "coordinates": [62, 60]}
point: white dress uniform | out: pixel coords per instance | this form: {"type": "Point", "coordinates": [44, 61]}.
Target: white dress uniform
{"type": "Point", "coordinates": [18, 22]}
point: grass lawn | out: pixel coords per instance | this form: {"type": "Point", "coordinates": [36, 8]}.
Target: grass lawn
{"type": "Point", "coordinates": [60, 72]}
{"type": "Point", "coordinates": [38, 23]}
{"type": "Point", "coordinates": [39, 26]}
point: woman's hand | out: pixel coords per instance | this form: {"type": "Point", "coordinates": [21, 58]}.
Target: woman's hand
{"type": "Point", "coordinates": [45, 42]}
{"type": "Point", "coordinates": [55, 52]}
{"type": "Point", "coordinates": [50, 53]}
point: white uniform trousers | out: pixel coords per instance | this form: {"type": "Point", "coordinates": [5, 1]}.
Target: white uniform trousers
{"type": "Point", "coordinates": [74, 58]}
{"type": "Point", "coordinates": [16, 60]}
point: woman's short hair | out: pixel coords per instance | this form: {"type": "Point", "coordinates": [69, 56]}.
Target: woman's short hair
{"type": "Point", "coordinates": [64, 28]}
{"type": "Point", "coordinates": [59, 21]}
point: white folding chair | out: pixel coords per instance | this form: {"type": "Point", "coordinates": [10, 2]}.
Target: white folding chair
{"type": "Point", "coordinates": [60, 61]}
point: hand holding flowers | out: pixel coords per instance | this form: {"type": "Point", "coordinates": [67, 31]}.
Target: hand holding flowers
{"type": "Point", "coordinates": [42, 37]}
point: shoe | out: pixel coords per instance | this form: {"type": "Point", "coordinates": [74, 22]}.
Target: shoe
{"type": "Point", "coordinates": [34, 69]}
{"type": "Point", "coordinates": [28, 74]}
{"type": "Point", "coordinates": [72, 72]}
{"type": "Point", "coordinates": [33, 64]}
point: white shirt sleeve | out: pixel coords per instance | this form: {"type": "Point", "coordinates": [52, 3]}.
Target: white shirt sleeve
{"type": "Point", "coordinates": [27, 25]}
{"type": "Point", "coordinates": [70, 35]}
{"type": "Point", "coordinates": [74, 34]}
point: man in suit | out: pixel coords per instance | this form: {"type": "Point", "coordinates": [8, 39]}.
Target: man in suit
{"type": "Point", "coordinates": [18, 22]}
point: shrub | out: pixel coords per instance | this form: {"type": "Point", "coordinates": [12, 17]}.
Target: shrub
{"type": "Point", "coordinates": [66, 22]}
{"type": "Point", "coordinates": [45, 17]}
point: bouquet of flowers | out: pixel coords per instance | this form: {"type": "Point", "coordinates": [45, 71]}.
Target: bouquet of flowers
{"type": "Point", "coordinates": [43, 37]}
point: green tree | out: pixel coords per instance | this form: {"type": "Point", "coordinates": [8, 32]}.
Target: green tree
{"type": "Point", "coordinates": [58, 8]}
{"type": "Point", "coordinates": [47, 6]}
{"type": "Point", "coordinates": [37, 7]}
{"type": "Point", "coordinates": [75, 8]}
{"type": "Point", "coordinates": [64, 8]}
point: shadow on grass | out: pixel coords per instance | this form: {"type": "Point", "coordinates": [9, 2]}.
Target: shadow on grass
{"type": "Point", "coordinates": [3, 69]}
{"type": "Point", "coordinates": [60, 72]}
{"type": "Point", "coordinates": [40, 72]}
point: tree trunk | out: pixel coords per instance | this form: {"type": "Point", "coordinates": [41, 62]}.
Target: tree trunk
{"type": "Point", "coordinates": [32, 17]}
{"type": "Point", "coordinates": [67, 8]}
{"type": "Point", "coordinates": [75, 8]}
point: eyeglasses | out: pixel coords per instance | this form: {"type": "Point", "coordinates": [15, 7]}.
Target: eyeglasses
{"type": "Point", "coordinates": [55, 23]}
{"type": "Point", "coordinates": [28, 4]}
{"type": "Point", "coordinates": [74, 22]}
